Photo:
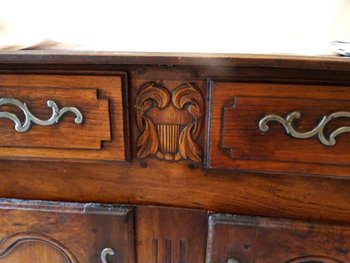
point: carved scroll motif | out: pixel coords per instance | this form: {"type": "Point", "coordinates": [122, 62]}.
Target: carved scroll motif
{"type": "Point", "coordinates": [10, 243]}
{"type": "Point", "coordinates": [29, 117]}
{"type": "Point", "coordinates": [168, 136]}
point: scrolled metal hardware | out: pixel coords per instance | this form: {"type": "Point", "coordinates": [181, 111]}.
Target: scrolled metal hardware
{"type": "Point", "coordinates": [105, 252]}
{"type": "Point", "coordinates": [233, 260]}
{"type": "Point", "coordinates": [318, 130]}
{"type": "Point", "coordinates": [29, 117]}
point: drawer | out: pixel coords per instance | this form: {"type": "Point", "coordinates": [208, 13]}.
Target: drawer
{"type": "Point", "coordinates": [53, 232]}
{"type": "Point", "coordinates": [68, 116]}
{"type": "Point", "coordinates": [279, 128]}
{"type": "Point", "coordinates": [239, 239]}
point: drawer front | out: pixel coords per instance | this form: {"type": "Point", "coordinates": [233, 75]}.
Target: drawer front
{"type": "Point", "coordinates": [279, 128]}
{"type": "Point", "coordinates": [49, 232]}
{"type": "Point", "coordinates": [239, 239]}
{"type": "Point", "coordinates": [65, 117]}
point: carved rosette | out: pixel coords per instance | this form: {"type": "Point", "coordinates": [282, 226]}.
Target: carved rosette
{"type": "Point", "coordinates": [169, 122]}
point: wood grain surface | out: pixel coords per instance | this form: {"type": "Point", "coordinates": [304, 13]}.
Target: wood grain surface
{"type": "Point", "coordinates": [34, 231]}
{"type": "Point", "coordinates": [170, 235]}
{"type": "Point", "coordinates": [236, 142]}
{"type": "Point", "coordinates": [264, 240]}
{"type": "Point", "coordinates": [101, 136]}
{"type": "Point", "coordinates": [182, 183]}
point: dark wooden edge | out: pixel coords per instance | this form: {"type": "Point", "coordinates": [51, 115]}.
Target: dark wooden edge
{"type": "Point", "coordinates": [207, 129]}
{"type": "Point", "coordinates": [187, 59]}
{"type": "Point", "coordinates": [126, 116]}
{"type": "Point", "coordinates": [268, 222]}
{"type": "Point", "coordinates": [125, 100]}
{"type": "Point", "coordinates": [65, 207]}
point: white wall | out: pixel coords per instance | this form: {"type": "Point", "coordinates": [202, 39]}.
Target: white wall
{"type": "Point", "coordinates": [225, 26]}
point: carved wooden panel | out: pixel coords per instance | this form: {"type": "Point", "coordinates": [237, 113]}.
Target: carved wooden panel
{"type": "Point", "coordinates": [170, 235]}
{"type": "Point", "coordinates": [169, 121]}
{"type": "Point", "coordinates": [279, 128]}
{"type": "Point", "coordinates": [34, 247]}
{"type": "Point", "coordinates": [98, 133]}
{"type": "Point", "coordinates": [241, 239]}
{"type": "Point", "coordinates": [53, 232]}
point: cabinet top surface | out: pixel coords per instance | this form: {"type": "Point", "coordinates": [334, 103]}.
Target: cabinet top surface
{"type": "Point", "coordinates": [195, 59]}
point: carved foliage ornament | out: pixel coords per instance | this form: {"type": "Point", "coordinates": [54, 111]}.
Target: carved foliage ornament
{"type": "Point", "coordinates": [171, 132]}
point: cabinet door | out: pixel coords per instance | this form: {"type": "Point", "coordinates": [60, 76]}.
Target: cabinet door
{"type": "Point", "coordinates": [239, 239]}
{"type": "Point", "coordinates": [50, 232]}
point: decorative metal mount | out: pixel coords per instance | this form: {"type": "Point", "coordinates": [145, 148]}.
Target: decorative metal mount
{"type": "Point", "coordinates": [105, 252]}
{"type": "Point", "coordinates": [318, 130]}
{"type": "Point", "coordinates": [29, 118]}
{"type": "Point", "coordinates": [233, 260]}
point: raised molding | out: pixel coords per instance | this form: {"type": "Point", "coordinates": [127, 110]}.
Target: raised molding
{"type": "Point", "coordinates": [11, 242]}
{"type": "Point", "coordinates": [314, 259]}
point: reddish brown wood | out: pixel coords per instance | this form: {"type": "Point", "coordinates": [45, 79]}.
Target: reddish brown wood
{"type": "Point", "coordinates": [237, 143]}
{"type": "Point", "coordinates": [99, 98]}
{"type": "Point", "coordinates": [68, 232]}
{"type": "Point", "coordinates": [49, 57]}
{"type": "Point", "coordinates": [264, 240]}
{"type": "Point", "coordinates": [169, 122]}
{"type": "Point", "coordinates": [170, 235]}
{"type": "Point", "coordinates": [65, 134]}
{"type": "Point", "coordinates": [178, 184]}
{"type": "Point", "coordinates": [182, 182]}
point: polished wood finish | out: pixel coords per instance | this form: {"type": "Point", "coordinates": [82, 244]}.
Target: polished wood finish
{"type": "Point", "coordinates": [169, 122]}
{"type": "Point", "coordinates": [168, 169]}
{"type": "Point", "coordinates": [168, 235]}
{"type": "Point", "coordinates": [265, 240]}
{"type": "Point", "coordinates": [236, 142]}
{"type": "Point", "coordinates": [35, 252]}
{"type": "Point", "coordinates": [99, 137]}
{"type": "Point", "coordinates": [179, 184]}
{"type": "Point", "coordinates": [64, 232]}
{"type": "Point", "coordinates": [174, 59]}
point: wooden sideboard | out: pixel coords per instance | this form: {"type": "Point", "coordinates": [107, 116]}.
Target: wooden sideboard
{"type": "Point", "coordinates": [174, 158]}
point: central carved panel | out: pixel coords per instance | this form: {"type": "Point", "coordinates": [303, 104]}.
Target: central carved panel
{"type": "Point", "coordinates": [169, 121]}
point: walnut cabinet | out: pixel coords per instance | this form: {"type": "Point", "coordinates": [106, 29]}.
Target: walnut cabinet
{"type": "Point", "coordinates": [174, 158]}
